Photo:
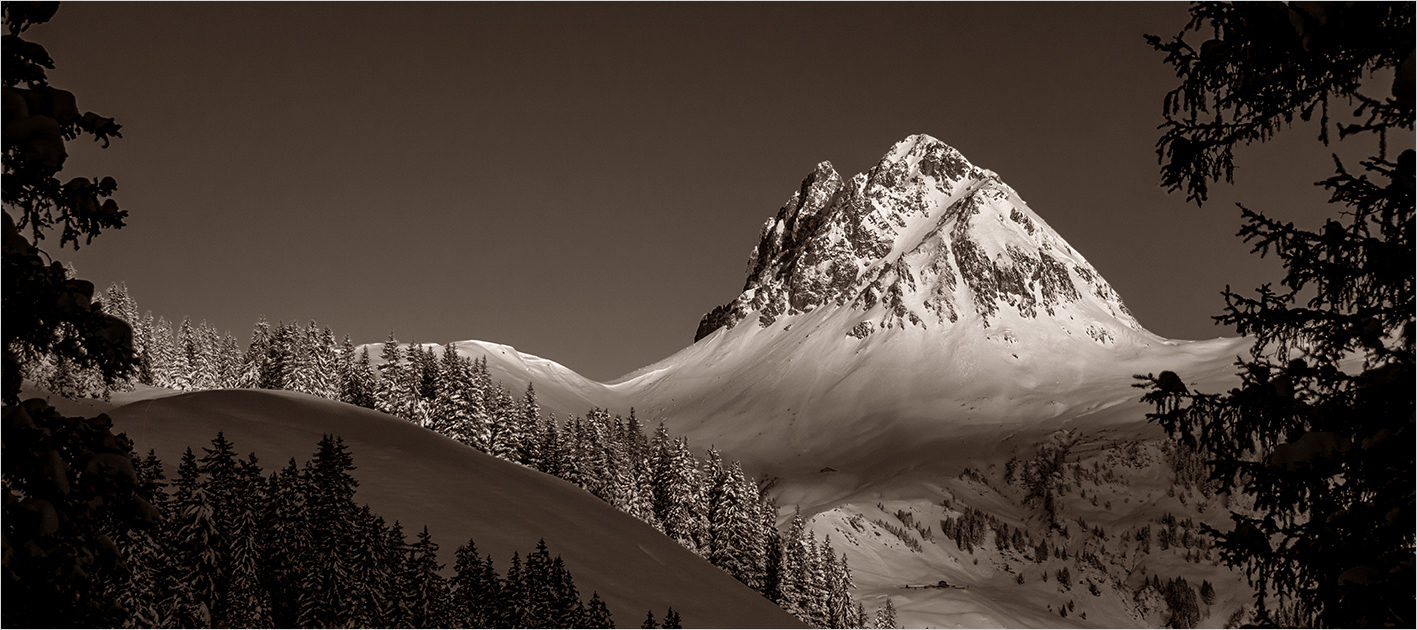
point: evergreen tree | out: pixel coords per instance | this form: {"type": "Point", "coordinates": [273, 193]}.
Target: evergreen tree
{"type": "Point", "coordinates": [147, 594]}
{"type": "Point", "coordinates": [513, 604]}
{"type": "Point", "coordinates": [399, 613]}
{"type": "Point", "coordinates": [324, 361]}
{"type": "Point", "coordinates": [885, 617]}
{"type": "Point", "coordinates": [328, 587]}
{"type": "Point", "coordinates": [735, 545]}
{"type": "Point", "coordinates": [187, 354]}
{"type": "Point", "coordinates": [814, 593]}
{"type": "Point", "coordinates": [282, 358]}
{"type": "Point", "coordinates": [345, 361]}
{"type": "Point", "coordinates": [179, 364]}
{"type": "Point", "coordinates": [371, 564]}
{"type": "Point", "coordinates": [796, 569]}
{"type": "Point", "coordinates": [144, 336]}
{"type": "Point", "coordinates": [287, 544]}
{"type": "Point", "coordinates": [166, 372]}
{"type": "Point", "coordinates": [536, 581]}
{"type": "Point", "coordinates": [529, 448]}
{"type": "Point", "coordinates": [475, 589]}
{"type": "Point", "coordinates": [774, 554]}
{"type": "Point", "coordinates": [364, 387]}
{"type": "Point", "coordinates": [1322, 443]}
{"type": "Point", "coordinates": [839, 607]}
{"type": "Point", "coordinates": [637, 457]}
{"type": "Point", "coordinates": [427, 373]}
{"type": "Point", "coordinates": [300, 368]}
{"type": "Point", "coordinates": [392, 397]}
{"type": "Point", "coordinates": [649, 621]}
{"type": "Point", "coordinates": [617, 481]}
{"type": "Point", "coordinates": [671, 619]}
{"type": "Point", "coordinates": [597, 615]}
{"type": "Point", "coordinates": [639, 500]}
{"type": "Point", "coordinates": [477, 394]}
{"type": "Point", "coordinates": [247, 604]}
{"type": "Point", "coordinates": [207, 367]}
{"type": "Point", "coordinates": [565, 603]}
{"type": "Point", "coordinates": [427, 591]}
{"type": "Point", "coordinates": [553, 450]}
{"type": "Point", "coordinates": [231, 356]}
{"type": "Point", "coordinates": [254, 370]}
{"type": "Point", "coordinates": [218, 468]}
{"type": "Point", "coordinates": [118, 304]}
{"type": "Point", "coordinates": [1207, 593]}
{"type": "Point", "coordinates": [450, 409]}
{"type": "Point", "coordinates": [678, 503]}
{"type": "Point", "coordinates": [507, 431]}
{"type": "Point", "coordinates": [198, 563]}
{"type": "Point", "coordinates": [596, 456]}
{"type": "Point", "coordinates": [574, 467]}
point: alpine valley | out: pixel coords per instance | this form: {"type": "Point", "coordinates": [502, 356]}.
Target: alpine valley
{"type": "Point", "coordinates": [938, 384]}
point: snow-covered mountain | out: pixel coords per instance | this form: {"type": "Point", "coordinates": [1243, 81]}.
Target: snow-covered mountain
{"type": "Point", "coordinates": [886, 317]}
{"type": "Point", "coordinates": [902, 335]}
{"type": "Point", "coordinates": [923, 239]}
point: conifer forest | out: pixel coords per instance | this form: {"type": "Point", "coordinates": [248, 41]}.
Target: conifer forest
{"type": "Point", "coordinates": [706, 504]}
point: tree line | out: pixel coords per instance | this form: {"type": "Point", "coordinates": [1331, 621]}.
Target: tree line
{"type": "Point", "coordinates": [232, 547]}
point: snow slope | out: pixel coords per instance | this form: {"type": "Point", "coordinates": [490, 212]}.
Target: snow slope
{"type": "Point", "coordinates": [420, 478]}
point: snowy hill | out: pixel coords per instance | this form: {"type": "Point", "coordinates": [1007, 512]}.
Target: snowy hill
{"type": "Point", "coordinates": [420, 478]}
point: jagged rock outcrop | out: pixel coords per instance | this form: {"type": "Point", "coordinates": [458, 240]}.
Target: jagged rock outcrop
{"type": "Point", "coordinates": [924, 238]}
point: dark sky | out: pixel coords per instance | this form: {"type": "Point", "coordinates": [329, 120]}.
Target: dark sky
{"type": "Point", "coordinates": [585, 181]}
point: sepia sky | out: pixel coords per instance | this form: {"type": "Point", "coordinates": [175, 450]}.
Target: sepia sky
{"type": "Point", "coordinates": [585, 181]}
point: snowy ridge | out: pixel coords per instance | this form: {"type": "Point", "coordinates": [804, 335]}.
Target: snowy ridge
{"type": "Point", "coordinates": [561, 389]}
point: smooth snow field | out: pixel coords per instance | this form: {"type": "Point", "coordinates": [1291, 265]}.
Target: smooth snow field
{"type": "Point", "coordinates": [419, 478]}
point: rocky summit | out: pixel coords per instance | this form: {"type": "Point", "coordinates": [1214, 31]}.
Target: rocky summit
{"type": "Point", "coordinates": [923, 239]}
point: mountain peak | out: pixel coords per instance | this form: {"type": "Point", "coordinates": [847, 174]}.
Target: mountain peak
{"type": "Point", "coordinates": [924, 238]}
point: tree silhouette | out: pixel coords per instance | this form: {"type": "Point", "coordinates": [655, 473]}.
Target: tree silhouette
{"type": "Point", "coordinates": [45, 312]}
{"type": "Point", "coordinates": [1319, 432]}
{"type": "Point", "coordinates": [70, 484]}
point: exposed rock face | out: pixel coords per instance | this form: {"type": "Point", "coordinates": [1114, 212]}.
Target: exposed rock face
{"type": "Point", "coordinates": [925, 236]}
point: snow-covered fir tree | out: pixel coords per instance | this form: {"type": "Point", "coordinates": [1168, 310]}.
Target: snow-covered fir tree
{"type": "Point", "coordinates": [734, 542]}
{"type": "Point", "coordinates": [678, 501]}
{"type": "Point", "coordinates": [507, 433]}
{"type": "Point", "coordinates": [207, 362]}
{"type": "Point", "coordinates": [323, 363]}
{"type": "Point", "coordinates": [391, 397]}
{"type": "Point", "coordinates": [253, 365]}
{"type": "Point", "coordinates": [529, 417]}
{"type": "Point", "coordinates": [885, 617]}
